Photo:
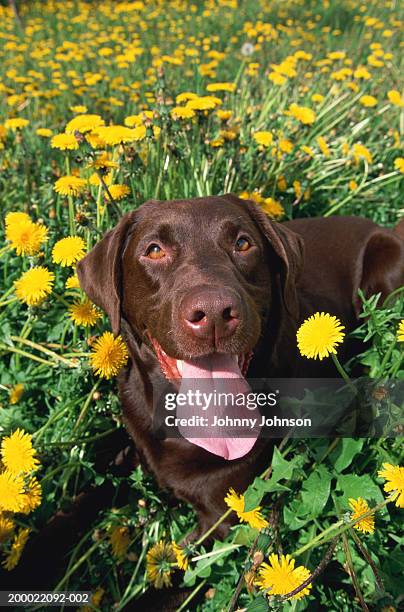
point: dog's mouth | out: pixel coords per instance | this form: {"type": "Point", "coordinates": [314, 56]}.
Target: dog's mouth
{"type": "Point", "coordinates": [176, 369]}
{"type": "Point", "coordinates": [219, 377]}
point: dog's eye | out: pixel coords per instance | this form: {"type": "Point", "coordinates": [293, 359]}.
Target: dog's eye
{"type": "Point", "coordinates": [242, 244]}
{"type": "Point", "coordinates": [155, 252]}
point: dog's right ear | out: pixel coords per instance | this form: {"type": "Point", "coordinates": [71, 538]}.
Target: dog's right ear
{"type": "Point", "coordinates": [99, 272]}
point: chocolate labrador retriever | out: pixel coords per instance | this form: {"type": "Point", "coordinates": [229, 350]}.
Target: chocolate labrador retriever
{"type": "Point", "coordinates": [211, 287]}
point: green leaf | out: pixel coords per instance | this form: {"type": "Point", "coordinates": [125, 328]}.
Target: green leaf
{"type": "Point", "coordinates": [259, 604]}
{"type": "Point", "coordinates": [244, 535]}
{"type": "Point", "coordinates": [356, 486]}
{"type": "Point", "coordinates": [292, 520]}
{"type": "Point", "coordinates": [203, 566]}
{"type": "Point", "coordinates": [256, 491]}
{"type": "Point", "coordinates": [281, 468]}
{"type": "Point", "coordinates": [316, 491]}
{"type": "Point", "coordinates": [350, 448]}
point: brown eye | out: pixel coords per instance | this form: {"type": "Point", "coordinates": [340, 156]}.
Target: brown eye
{"type": "Point", "coordinates": [155, 252]}
{"type": "Point", "coordinates": [242, 244]}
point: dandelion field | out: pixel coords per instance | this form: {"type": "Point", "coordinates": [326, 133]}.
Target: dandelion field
{"type": "Point", "coordinates": [103, 105]}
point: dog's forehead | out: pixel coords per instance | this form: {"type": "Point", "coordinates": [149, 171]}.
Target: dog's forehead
{"type": "Point", "coordinates": [196, 213]}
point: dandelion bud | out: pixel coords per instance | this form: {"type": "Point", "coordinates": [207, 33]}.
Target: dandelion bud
{"type": "Point", "coordinates": [258, 558]}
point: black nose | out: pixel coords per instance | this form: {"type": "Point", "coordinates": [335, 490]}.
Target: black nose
{"type": "Point", "coordinates": [211, 312]}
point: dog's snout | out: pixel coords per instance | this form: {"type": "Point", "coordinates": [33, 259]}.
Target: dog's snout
{"type": "Point", "coordinates": [209, 312]}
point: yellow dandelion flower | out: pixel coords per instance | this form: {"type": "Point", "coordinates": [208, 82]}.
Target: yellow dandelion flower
{"type": "Point", "coordinates": [6, 528]}
{"type": "Point", "coordinates": [368, 101]}
{"type": "Point", "coordinates": [362, 73]}
{"type": "Point", "coordinates": [134, 120]}
{"type": "Point", "coordinates": [400, 331]}
{"type": "Point", "coordinates": [281, 577]}
{"type": "Point", "coordinates": [34, 285]}
{"type": "Point", "coordinates": [68, 251]}
{"type": "Point", "coordinates": [26, 237]}
{"type": "Point", "coordinates": [11, 492]}
{"type": "Point", "coordinates": [317, 98]}
{"type": "Point", "coordinates": [15, 218]}
{"type": "Point", "coordinates": [221, 87]}
{"type": "Point", "coordinates": [359, 152]}
{"type": "Point", "coordinates": [44, 132]}
{"type": "Point", "coordinates": [79, 108]}
{"type": "Point", "coordinates": [182, 112]}
{"type": "Point", "coordinates": [297, 187]}
{"type": "Point", "coordinates": [253, 517]}
{"type": "Point", "coordinates": [159, 560]}
{"type": "Point", "coordinates": [318, 336]}
{"type": "Point", "coordinates": [217, 142]}
{"type": "Point", "coordinates": [70, 185]}
{"type": "Point", "coordinates": [273, 208]}
{"type": "Point", "coordinates": [116, 134]}
{"type": "Point", "coordinates": [16, 124]}
{"type": "Point", "coordinates": [277, 78]}
{"type": "Point", "coordinates": [399, 164]}
{"type": "Point", "coordinates": [16, 393]}
{"type": "Point", "coordinates": [263, 138]}
{"type": "Point", "coordinates": [353, 185]}
{"type": "Point", "coordinates": [119, 192]}
{"type": "Point", "coordinates": [64, 142]}
{"type": "Point", "coordinates": [185, 96]}
{"type": "Point", "coordinates": [302, 113]}
{"type": "Point", "coordinates": [95, 141]}
{"type": "Point", "coordinates": [18, 454]}
{"type": "Point", "coordinates": [394, 474]}
{"type": "Point", "coordinates": [103, 162]}
{"type": "Point", "coordinates": [307, 150]}
{"type": "Point", "coordinates": [285, 145]}
{"type": "Point", "coordinates": [281, 183]}
{"type": "Point", "coordinates": [120, 539]}
{"type": "Point", "coordinates": [17, 548]}
{"type": "Point", "coordinates": [72, 282]}
{"type": "Point", "coordinates": [324, 148]}
{"type": "Point", "coordinates": [84, 313]}
{"type": "Point", "coordinates": [203, 103]}
{"type": "Point", "coordinates": [32, 496]}
{"type": "Point", "coordinates": [395, 97]}
{"type": "Point", "coordinates": [224, 115]}
{"type": "Point", "coordinates": [181, 555]}
{"type": "Point", "coordinates": [360, 507]}
{"type": "Point", "coordinates": [83, 124]}
{"type": "Point", "coordinates": [228, 135]}
{"type": "Point", "coordinates": [109, 355]}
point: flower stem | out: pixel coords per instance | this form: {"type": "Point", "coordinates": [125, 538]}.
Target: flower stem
{"type": "Point", "coordinates": [41, 348]}
{"type": "Point", "coordinates": [341, 370]}
{"type": "Point", "coordinates": [71, 205]}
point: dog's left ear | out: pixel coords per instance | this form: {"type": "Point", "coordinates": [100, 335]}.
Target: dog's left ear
{"type": "Point", "coordinates": [381, 267]}
{"type": "Point", "coordinates": [99, 272]}
{"type": "Point", "coordinates": [286, 245]}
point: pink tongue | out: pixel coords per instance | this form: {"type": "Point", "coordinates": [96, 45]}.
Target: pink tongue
{"type": "Point", "coordinates": [217, 373]}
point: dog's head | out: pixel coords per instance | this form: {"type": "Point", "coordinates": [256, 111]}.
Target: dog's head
{"type": "Point", "coordinates": [195, 278]}
{"type": "Point", "coordinates": [199, 281]}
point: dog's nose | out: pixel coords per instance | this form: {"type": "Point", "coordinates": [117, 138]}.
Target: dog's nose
{"type": "Point", "coordinates": [210, 312]}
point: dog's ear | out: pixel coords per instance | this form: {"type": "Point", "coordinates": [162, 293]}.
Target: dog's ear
{"type": "Point", "coordinates": [99, 272]}
{"type": "Point", "coordinates": [287, 246]}
{"type": "Point", "coordinates": [381, 267]}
